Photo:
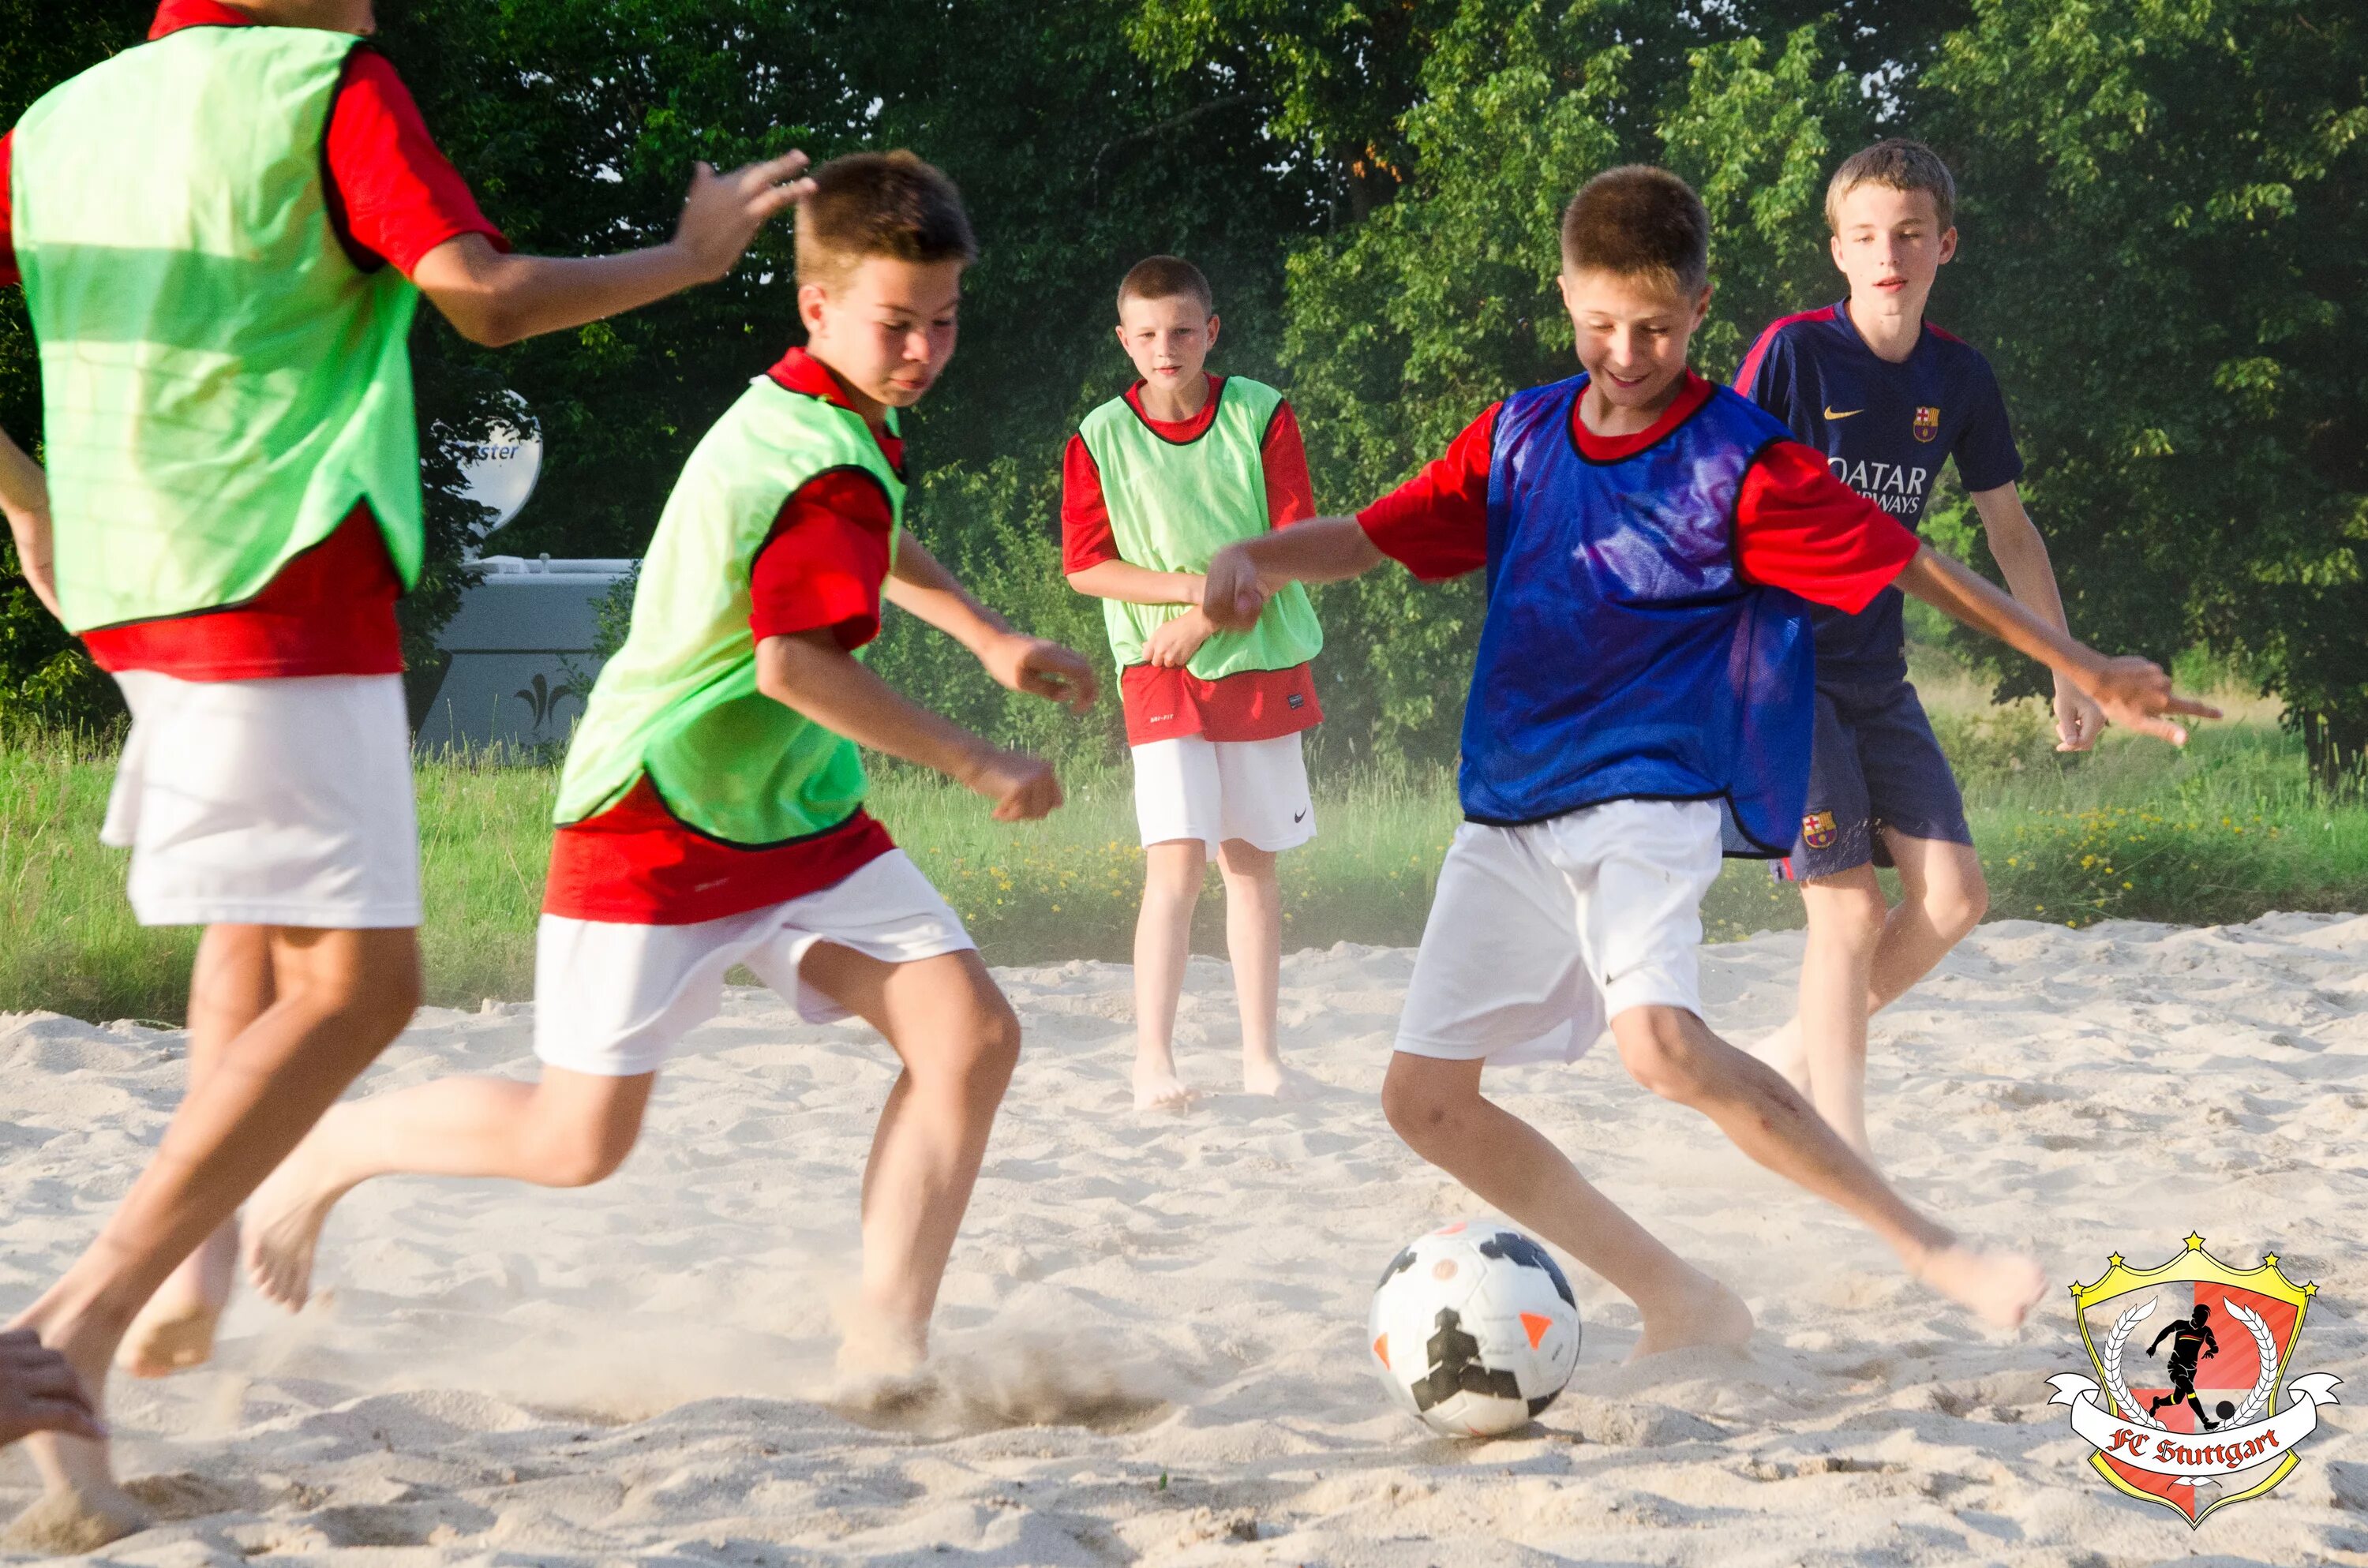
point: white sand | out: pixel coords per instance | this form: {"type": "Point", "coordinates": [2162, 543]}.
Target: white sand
{"type": "Point", "coordinates": [1150, 1339]}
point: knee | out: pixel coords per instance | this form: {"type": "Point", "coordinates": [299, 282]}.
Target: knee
{"type": "Point", "coordinates": [1417, 1113]}
{"type": "Point", "coordinates": [1956, 908]}
{"type": "Point", "coordinates": [579, 1157]}
{"type": "Point", "coordinates": [1661, 1048]}
{"type": "Point", "coordinates": [985, 1065]}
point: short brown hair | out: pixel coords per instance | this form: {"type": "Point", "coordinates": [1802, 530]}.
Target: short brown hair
{"type": "Point", "coordinates": [890, 204]}
{"type": "Point", "coordinates": [1900, 164]}
{"type": "Point", "coordinates": [1639, 222]}
{"type": "Point", "coordinates": [1165, 278]}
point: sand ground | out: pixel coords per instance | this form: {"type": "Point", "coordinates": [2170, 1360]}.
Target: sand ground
{"type": "Point", "coordinates": [1150, 1348]}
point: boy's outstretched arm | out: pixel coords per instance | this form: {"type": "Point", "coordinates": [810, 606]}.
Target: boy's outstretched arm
{"type": "Point", "coordinates": [2132, 691]}
{"type": "Point", "coordinates": [920, 584]}
{"type": "Point", "coordinates": [810, 673]}
{"type": "Point", "coordinates": [24, 496]}
{"type": "Point", "coordinates": [2022, 557]}
{"type": "Point", "coordinates": [1242, 576]}
{"type": "Point", "coordinates": [494, 298]}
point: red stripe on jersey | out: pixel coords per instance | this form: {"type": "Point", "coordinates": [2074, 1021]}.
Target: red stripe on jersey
{"type": "Point", "coordinates": [1750, 371]}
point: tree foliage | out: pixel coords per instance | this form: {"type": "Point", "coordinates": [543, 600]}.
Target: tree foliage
{"type": "Point", "coordinates": [2161, 208]}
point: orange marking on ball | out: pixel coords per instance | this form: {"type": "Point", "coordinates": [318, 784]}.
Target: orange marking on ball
{"type": "Point", "coordinates": [1381, 1348]}
{"type": "Point", "coordinates": [1535, 1326]}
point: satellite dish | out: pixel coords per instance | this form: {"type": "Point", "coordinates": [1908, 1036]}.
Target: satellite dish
{"type": "Point", "coordinates": [500, 470]}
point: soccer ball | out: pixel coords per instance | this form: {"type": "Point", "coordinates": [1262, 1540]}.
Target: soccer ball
{"type": "Point", "coordinates": [1474, 1330]}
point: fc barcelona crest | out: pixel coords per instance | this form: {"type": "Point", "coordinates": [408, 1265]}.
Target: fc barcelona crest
{"type": "Point", "coordinates": [1817, 829]}
{"type": "Point", "coordinates": [1928, 423]}
{"type": "Point", "coordinates": [2195, 1410]}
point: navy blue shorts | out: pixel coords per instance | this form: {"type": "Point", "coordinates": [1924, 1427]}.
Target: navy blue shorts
{"type": "Point", "coordinates": [1872, 763]}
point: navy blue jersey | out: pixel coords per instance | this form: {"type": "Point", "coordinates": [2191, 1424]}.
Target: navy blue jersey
{"type": "Point", "coordinates": [1884, 429]}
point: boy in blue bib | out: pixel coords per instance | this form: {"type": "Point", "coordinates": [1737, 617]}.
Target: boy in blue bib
{"type": "Point", "coordinates": [1640, 705]}
{"type": "Point", "coordinates": [1885, 396]}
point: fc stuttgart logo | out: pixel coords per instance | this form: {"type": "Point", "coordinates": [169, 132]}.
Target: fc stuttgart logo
{"type": "Point", "coordinates": [1817, 829]}
{"type": "Point", "coordinates": [2207, 1429]}
{"type": "Point", "coordinates": [1928, 423]}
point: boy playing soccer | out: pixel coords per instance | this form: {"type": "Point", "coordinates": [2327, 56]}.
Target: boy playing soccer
{"type": "Point", "coordinates": [1640, 699]}
{"type": "Point", "coordinates": [1884, 396]}
{"type": "Point", "coordinates": [1154, 483]}
{"type": "Point", "coordinates": [711, 813]}
{"type": "Point", "coordinates": [223, 236]}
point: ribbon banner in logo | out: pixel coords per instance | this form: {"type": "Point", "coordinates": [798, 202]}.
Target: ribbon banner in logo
{"type": "Point", "coordinates": [2185, 1456]}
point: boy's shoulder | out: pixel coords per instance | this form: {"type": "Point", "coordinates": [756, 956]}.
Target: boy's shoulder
{"type": "Point", "coordinates": [1810, 331]}
{"type": "Point", "coordinates": [1951, 351]}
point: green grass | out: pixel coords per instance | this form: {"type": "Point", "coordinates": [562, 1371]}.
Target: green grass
{"type": "Point", "coordinates": [2223, 832]}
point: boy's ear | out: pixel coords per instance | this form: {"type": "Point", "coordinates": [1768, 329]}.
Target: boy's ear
{"type": "Point", "coordinates": [1213, 324]}
{"type": "Point", "coordinates": [1834, 249]}
{"type": "Point", "coordinates": [1119, 332]}
{"type": "Point", "coordinates": [811, 299]}
{"type": "Point", "coordinates": [1949, 245]}
{"type": "Point", "coordinates": [1701, 307]}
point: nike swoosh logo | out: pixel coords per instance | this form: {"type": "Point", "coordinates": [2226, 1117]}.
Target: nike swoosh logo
{"type": "Point", "coordinates": [1297, 817]}
{"type": "Point", "coordinates": [1843, 413]}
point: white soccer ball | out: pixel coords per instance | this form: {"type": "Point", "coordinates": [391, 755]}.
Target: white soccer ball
{"type": "Point", "coordinates": [1473, 1329]}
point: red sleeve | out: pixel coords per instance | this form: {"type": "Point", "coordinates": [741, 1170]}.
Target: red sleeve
{"type": "Point", "coordinates": [1798, 526]}
{"type": "Point", "coordinates": [1086, 537]}
{"type": "Point", "coordinates": [8, 230]}
{"type": "Point", "coordinates": [400, 196]}
{"type": "Point", "coordinates": [822, 566]}
{"type": "Point", "coordinates": [1436, 524]}
{"type": "Point", "coordinates": [1289, 493]}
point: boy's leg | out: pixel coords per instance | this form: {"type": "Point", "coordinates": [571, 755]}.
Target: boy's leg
{"type": "Point", "coordinates": [1672, 1052]}
{"type": "Point", "coordinates": [230, 987]}
{"type": "Point", "coordinates": [1254, 943]}
{"type": "Point", "coordinates": [959, 1042]}
{"type": "Point", "coordinates": [1436, 1105]}
{"type": "Point", "coordinates": [339, 998]}
{"type": "Point", "coordinates": [1172, 874]}
{"type": "Point", "coordinates": [1846, 917]}
{"type": "Point", "coordinates": [567, 1130]}
{"type": "Point", "coordinates": [1943, 897]}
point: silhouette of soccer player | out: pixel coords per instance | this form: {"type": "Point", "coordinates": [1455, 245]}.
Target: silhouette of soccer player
{"type": "Point", "coordinates": [2192, 1335]}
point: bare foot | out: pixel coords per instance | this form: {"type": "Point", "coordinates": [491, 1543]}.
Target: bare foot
{"type": "Point", "coordinates": [81, 1507]}
{"type": "Point", "coordinates": [1787, 1053]}
{"type": "Point", "coordinates": [1156, 1086]}
{"type": "Point", "coordinates": [1706, 1313]}
{"type": "Point", "coordinates": [76, 1519]}
{"type": "Point", "coordinates": [1267, 1075]}
{"type": "Point", "coordinates": [176, 1330]}
{"type": "Point", "coordinates": [2000, 1287]}
{"type": "Point", "coordinates": [284, 1219]}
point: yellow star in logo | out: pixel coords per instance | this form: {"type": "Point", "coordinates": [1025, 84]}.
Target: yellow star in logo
{"type": "Point", "coordinates": [2195, 1242]}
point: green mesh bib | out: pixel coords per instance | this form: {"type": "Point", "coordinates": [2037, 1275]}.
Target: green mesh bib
{"type": "Point", "coordinates": [1174, 505]}
{"type": "Point", "coordinates": [679, 703]}
{"type": "Point", "coordinates": [219, 382]}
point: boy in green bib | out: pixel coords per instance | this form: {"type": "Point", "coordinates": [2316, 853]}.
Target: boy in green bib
{"type": "Point", "coordinates": [711, 813]}
{"type": "Point", "coordinates": [1154, 483]}
{"type": "Point", "coordinates": [223, 235]}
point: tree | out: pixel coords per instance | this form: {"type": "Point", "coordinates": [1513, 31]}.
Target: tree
{"type": "Point", "coordinates": [2166, 212]}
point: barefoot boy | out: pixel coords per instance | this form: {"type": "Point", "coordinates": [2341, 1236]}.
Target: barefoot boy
{"type": "Point", "coordinates": [223, 235]}
{"type": "Point", "coordinates": [1640, 699]}
{"type": "Point", "coordinates": [711, 809]}
{"type": "Point", "coordinates": [1886, 397]}
{"type": "Point", "coordinates": [1154, 483]}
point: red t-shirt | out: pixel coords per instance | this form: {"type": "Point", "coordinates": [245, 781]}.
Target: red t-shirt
{"type": "Point", "coordinates": [822, 567]}
{"type": "Point", "coordinates": [1161, 704]}
{"type": "Point", "coordinates": [395, 197]}
{"type": "Point", "coordinates": [1796, 527]}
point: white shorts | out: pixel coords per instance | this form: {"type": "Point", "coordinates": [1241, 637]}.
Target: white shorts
{"type": "Point", "coordinates": [1192, 786]}
{"type": "Point", "coordinates": [612, 999]}
{"type": "Point", "coordinates": [1541, 934]}
{"type": "Point", "coordinates": [267, 802]}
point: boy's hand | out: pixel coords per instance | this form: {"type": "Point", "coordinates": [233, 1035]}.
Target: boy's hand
{"type": "Point", "coordinates": [1041, 668]}
{"type": "Point", "coordinates": [1173, 644]}
{"type": "Point", "coordinates": [2135, 693]}
{"type": "Point", "coordinates": [1023, 787]}
{"type": "Point", "coordinates": [1232, 593]}
{"type": "Point", "coordinates": [40, 1392]}
{"type": "Point", "coordinates": [723, 212]}
{"type": "Point", "coordinates": [2079, 721]}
